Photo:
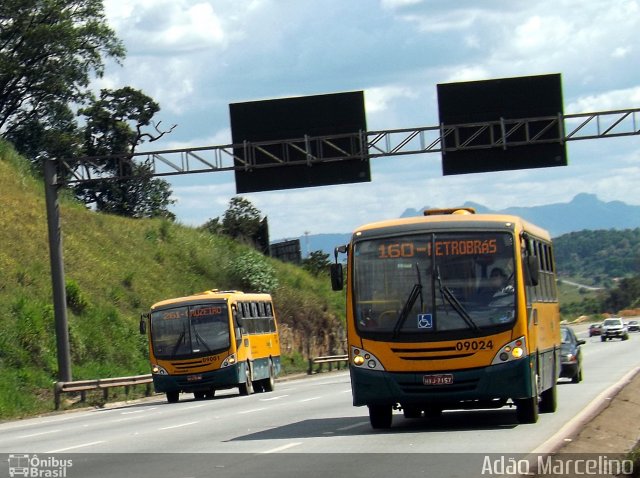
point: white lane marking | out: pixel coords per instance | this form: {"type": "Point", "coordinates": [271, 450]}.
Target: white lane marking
{"type": "Point", "coordinates": [251, 411]}
{"type": "Point", "coordinates": [178, 426]}
{"type": "Point", "coordinates": [273, 398]}
{"type": "Point", "coordinates": [38, 434]}
{"type": "Point", "coordinates": [282, 448]}
{"type": "Point", "coordinates": [309, 399]}
{"type": "Point", "coordinates": [74, 447]}
{"type": "Point", "coordinates": [195, 406]}
{"type": "Point", "coordinates": [37, 422]}
{"type": "Point", "coordinates": [355, 425]}
{"type": "Point", "coordinates": [138, 411]}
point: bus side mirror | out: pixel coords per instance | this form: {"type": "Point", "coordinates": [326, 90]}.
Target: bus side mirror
{"type": "Point", "coordinates": [143, 324]}
{"type": "Point", "coordinates": [337, 281]}
{"type": "Point", "coordinates": [533, 272]}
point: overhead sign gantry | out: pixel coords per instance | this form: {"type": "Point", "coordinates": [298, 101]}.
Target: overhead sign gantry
{"type": "Point", "coordinates": [474, 138]}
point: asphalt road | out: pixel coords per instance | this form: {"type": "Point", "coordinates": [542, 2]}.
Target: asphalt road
{"type": "Point", "coordinates": [306, 427]}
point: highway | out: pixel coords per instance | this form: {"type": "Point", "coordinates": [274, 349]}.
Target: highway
{"type": "Point", "coordinates": [304, 426]}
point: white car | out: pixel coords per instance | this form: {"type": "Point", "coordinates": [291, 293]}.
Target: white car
{"type": "Point", "coordinates": [614, 327]}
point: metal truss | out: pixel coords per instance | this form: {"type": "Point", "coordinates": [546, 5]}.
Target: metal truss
{"type": "Point", "coordinates": [502, 134]}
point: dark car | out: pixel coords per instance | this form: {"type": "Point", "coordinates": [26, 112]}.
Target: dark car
{"type": "Point", "coordinates": [595, 329]}
{"type": "Point", "coordinates": [570, 355]}
{"type": "Point", "coordinates": [633, 326]}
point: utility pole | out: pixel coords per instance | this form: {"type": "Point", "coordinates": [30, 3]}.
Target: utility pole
{"type": "Point", "coordinates": [57, 270]}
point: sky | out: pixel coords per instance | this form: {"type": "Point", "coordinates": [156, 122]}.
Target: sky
{"type": "Point", "coordinates": [195, 57]}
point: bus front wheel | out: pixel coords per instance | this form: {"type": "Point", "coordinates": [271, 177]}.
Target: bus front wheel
{"type": "Point", "coordinates": [527, 410]}
{"type": "Point", "coordinates": [173, 397]}
{"type": "Point", "coordinates": [549, 400]}
{"type": "Point", "coordinates": [380, 416]}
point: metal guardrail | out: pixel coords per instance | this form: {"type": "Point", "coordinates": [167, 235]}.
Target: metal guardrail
{"type": "Point", "coordinates": [104, 384]}
{"type": "Point", "coordinates": [329, 359]}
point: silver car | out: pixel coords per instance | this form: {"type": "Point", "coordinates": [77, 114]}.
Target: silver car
{"type": "Point", "coordinates": [614, 327]}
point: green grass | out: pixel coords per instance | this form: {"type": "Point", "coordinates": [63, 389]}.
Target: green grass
{"type": "Point", "coordinates": [115, 268]}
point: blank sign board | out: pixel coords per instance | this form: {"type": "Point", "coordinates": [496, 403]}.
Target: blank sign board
{"type": "Point", "coordinates": [533, 144]}
{"type": "Point", "coordinates": [294, 118]}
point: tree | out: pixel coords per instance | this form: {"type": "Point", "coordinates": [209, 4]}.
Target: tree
{"type": "Point", "coordinates": [115, 126]}
{"type": "Point", "coordinates": [317, 263]}
{"type": "Point", "coordinates": [48, 52]}
{"type": "Point", "coordinates": [241, 220]}
{"type": "Point", "coordinates": [212, 226]}
{"type": "Point", "coordinates": [56, 136]}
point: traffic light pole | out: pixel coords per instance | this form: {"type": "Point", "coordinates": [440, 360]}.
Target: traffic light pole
{"type": "Point", "coordinates": [57, 271]}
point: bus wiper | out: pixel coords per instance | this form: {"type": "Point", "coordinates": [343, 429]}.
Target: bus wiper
{"type": "Point", "coordinates": [178, 342]}
{"type": "Point", "coordinates": [201, 340]}
{"type": "Point", "coordinates": [455, 303]}
{"type": "Point", "coordinates": [416, 292]}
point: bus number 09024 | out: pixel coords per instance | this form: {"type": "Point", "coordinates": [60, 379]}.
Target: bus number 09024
{"type": "Point", "coordinates": [467, 345]}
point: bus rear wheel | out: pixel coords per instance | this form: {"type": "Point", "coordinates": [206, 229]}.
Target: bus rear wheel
{"type": "Point", "coordinates": [380, 416]}
{"type": "Point", "coordinates": [269, 383]}
{"type": "Point", "coordinates": [246, 388]}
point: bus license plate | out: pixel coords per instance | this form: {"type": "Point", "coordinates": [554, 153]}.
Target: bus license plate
{"type": "Point", "coordinates": [194, 378]}
{"type": "Point", "coordinates": [443, 379]}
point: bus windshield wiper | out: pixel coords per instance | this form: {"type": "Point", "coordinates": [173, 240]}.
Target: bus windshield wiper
{"type": "Point", "coordinates": [416, 292]}
{"type": "Point", "coordinates": [200, 339]}
{"type": "Point", "coordinates": [178, 342]}
{"type": "Point", "coordinates": [455, 303]}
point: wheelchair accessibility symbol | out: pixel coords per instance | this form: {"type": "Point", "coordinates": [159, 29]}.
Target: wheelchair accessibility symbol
{"type": "Point", "coordinates": [425, 321]}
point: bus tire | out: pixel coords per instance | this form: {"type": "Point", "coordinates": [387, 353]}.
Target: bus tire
{"type": "Point", "coordinates": [380, 416]}
{"type": "Point", "coordinates": [173, 397]}
{"type": "Point", "coordinates": [199, 395]}
{"type": "Point", "coordinates": [269, 383]}
{"type": "Point", "coordinates": [246, 388]}
{"type": "Point", "coordinates": [549, 400]}
{"type": "Point", "coordinates": [527, 410]}
{"type": "Point", "coordinates": [577, 378]}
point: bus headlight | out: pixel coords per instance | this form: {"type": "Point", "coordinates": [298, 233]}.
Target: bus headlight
{"type": "Point", "coordinates": [514, 350]}
{"type": "Point", "coordinates": [230, 360]}
{"type": "Point", "coordinates": [158, 370]}
{"type": "Point", "coordinates": [359, 357]}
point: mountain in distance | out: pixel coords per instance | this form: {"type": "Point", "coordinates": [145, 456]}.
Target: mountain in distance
{"type": "Point", "coordinates": [584, 212]}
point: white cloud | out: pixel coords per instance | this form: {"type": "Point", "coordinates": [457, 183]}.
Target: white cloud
{"type": "Point", "coordinates": [377, 99]}
{"type": "Point", "coordinates": [165, 26]}
{"type": "Point", "coordinates": [606, 101]}
{"type": "Point", "coordinates": [395, 4]}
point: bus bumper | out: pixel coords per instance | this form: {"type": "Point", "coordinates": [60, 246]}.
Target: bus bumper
{"type": "Point", "coordinates": [475, 388]}
{"type": "Point", "coordinates": [218, 379]}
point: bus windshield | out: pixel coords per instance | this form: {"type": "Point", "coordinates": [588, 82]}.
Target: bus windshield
{"type": "Point", "coordinates": [190, 330]}
{"type": "Point", "coordinates": [436, 282]}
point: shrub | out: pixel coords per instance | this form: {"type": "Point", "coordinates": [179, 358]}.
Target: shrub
{"type": "Point", "coordinates": [76, 300]}
{"type": "Point", "coordinates": [253, 272]}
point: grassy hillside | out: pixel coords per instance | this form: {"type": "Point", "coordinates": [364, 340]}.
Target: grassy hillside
{"type": "Point", "coordinates": [115, 269]}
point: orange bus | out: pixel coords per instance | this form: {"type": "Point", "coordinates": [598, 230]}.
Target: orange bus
{"type": "Point", "coordinates": [212, 341]}
{"type": "Point", "coordinates": [451, 310]}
